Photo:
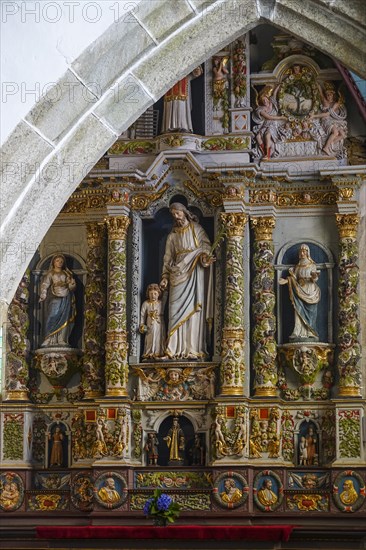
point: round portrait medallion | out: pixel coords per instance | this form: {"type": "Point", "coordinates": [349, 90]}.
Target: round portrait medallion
{"type": "Point", "coordinates": [267, 491]}
{"type": "Point", "coordinates": [110, 490]}
{"type": "Point", "coordinates": [230, 490]}
{"type": "Point", "coordinates": [348, 491]}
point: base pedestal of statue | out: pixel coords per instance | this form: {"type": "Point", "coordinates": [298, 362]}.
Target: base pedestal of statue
{"type": "Point", "coordinates": [58, 364]}
{"type": "Point", "coordinates": [306, 369]}
{"type": "Point", "coordinates": [179, 462]}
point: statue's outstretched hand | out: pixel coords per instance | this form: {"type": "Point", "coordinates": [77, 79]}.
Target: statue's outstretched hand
{"type": "Point", "coordinates": [282, 281]}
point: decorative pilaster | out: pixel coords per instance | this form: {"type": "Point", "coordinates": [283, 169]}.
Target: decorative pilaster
{"type": "Point", "coordinates": [264, 344]}
{"type": "Point", "coordinates": [17, 368]}
{"type": "Point", "coordinates": [233, 334]}
{"type": "Point", "coordinates": [116, 370]}
{"type": "Point", "coordinates": [95, 315]}
{"type": "Point", "coordinates": [349, 356]}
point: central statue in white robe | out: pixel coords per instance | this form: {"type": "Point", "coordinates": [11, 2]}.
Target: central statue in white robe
{"type": "Point", "coordinates": [187, 255]}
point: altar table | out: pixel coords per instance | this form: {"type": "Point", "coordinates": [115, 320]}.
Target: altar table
{"type": "Point", "coordinates": [189, 532]}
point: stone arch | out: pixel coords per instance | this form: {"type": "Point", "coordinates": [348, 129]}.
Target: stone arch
{"type": "Point", "coordinates": [64, 141]}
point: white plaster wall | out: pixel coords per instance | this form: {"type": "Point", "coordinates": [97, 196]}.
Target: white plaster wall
{"type": "Point", "coordinates": [39, 40]}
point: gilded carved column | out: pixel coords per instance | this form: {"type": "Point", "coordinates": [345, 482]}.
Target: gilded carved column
{"type": "Point", "coordinates": [116, 370]}
{"type": "Point", "coordinates": [232, 348]}
{"type": "Point", "coordinates": [95, 314]}
{"type": "Point", "coordinates": [349, 356]}
{"type": "Point", "coordinates": [264, 320]}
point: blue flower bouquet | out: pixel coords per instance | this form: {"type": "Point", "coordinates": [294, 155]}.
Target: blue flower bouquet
{"type": "Point", "coordinates": [161, 508]}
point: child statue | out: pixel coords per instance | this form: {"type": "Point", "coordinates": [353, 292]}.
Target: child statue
{"type": "Point", "coordinates": [152, 323]}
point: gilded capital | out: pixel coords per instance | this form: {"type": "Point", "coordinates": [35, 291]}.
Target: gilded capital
{"type": "Point", "coordinates": [234, 222]}
{"type": "Point", "coordinates": [347, 225]}
{"type": "Point", "coordinates": [117, 226]}
{"type": "Point", "coordinates": [263, 227]}
{"type": "Point", "coordinates": [95, 234]}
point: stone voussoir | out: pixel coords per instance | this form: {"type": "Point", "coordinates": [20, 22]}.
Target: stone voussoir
{"type": "Point", "coordinates": [161, 18]}
{"type": "Point", "coordinates": [61, 107]}
{"type": "Point", "coordinates": [21, 154]}
{"type": "Point", "coordinates": [112, 53]}
{"type": "Point", "coordinates": [123, 103]}
{"type": "Point", "coordinates": [53, 186]}
{"type": "Point", "coordinates": [219, 26]}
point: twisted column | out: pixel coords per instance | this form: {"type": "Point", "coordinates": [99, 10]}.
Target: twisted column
{"type": "Point", "coordinates": [264, 343]}
{"type": "Point", "coordinates": [116, 370]}
{"type": "Point", "coordinates": [95, 314]}
{"type": "Point", "coordinates": [349, 356]}
{"type": "Point", "coordinates": [17, 365]}
{"type": "Point", "coordinates": [233, 334]}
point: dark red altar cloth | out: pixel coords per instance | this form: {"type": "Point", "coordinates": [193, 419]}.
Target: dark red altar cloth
{"type": "Point", "coordinates": [192, 532]}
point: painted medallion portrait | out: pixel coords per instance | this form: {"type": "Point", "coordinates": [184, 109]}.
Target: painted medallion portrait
{"type": "Point", "coordinates": [267, 491]}
{"type": "Point", "coordinates": [349, 491]}
{"type": "Point", "coordinates": [230, 490]}
{"type": "Point", "coordinates": [110, 490]}
{"type": "Point", "coordinates": [11, 491]}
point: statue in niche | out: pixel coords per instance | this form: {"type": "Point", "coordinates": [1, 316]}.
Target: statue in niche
{"type": "Point", "coordinates": [198, 451]}
{"type": "Point", "coordinates": [187, 255]}
{"type": "Point", "coordinates": [178, 105]}
{"type": "Point", "coordinates": [333, 119]}
{"type": "Point", "coordinates": [151, 448]}
{"type": "Point", "coordinates": [152, 323]}
{"type": "Point", "coordinates": [269, 122]}
{"type": "Point", "coordinates": [56, 437]}
{"type": "Point", "coordinates": [58, 285]}
{"type": "Point", "coordinates": [175, 441]}
{"type": "Point", "coordinates": [304, 295]}
{"type": "Point", "coordinates": [308, 447]}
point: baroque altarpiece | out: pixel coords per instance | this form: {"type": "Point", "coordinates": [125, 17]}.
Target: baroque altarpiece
{"type": "Point", "coordinates": [191, 319]}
